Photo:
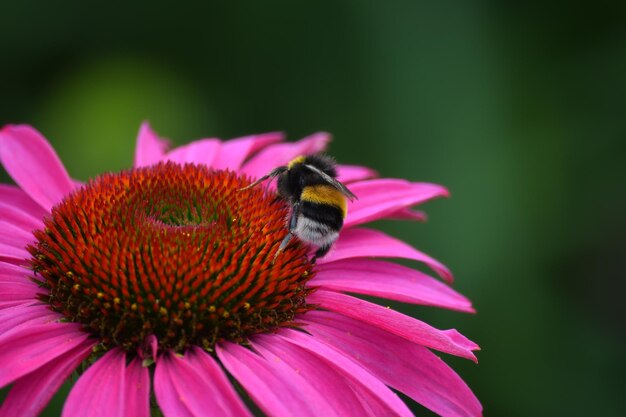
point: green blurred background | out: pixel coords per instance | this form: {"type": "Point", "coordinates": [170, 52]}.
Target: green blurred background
{"type": "Point", "coordinates": [518, 109]}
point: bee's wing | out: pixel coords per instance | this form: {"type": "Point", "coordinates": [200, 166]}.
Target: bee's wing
{"type": "Point", "coordinates": [273, 173]}
{"type": "Point", "coordinates": [332, 181]}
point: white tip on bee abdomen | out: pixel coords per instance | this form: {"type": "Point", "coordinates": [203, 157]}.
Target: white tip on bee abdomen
{"type": "Point", "coordinates": [310, 231]}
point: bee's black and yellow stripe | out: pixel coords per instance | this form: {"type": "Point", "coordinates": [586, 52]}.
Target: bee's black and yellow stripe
{"type": "Point", "coordinates": [325, 197]}
{"type": "Point", "coordinates": [322, 209]}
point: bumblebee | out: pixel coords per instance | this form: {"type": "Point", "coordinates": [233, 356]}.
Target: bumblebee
{"type": "Point", "coordinates": [317, 199]}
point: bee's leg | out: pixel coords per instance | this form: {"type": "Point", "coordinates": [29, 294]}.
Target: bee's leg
{"type": "Point", "coordinates": [293, 222]}
{"type": "Point", "coordinates": [283, 244]}
{"type": "Point", "coordinates": [321, 252]}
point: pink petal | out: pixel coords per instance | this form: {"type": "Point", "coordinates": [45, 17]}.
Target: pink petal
{"type": "Point", "coordinates": [15, 234]}
{"type": "Point", "coordinates": [30, 394]}
{"type": "Point", "coordinates": [362, 243]}
{"type": "Point", "coordinates": [330, 384]}
{"type": "Point", "coordinates": [407, 214]}
{"type": "Point", "coordinates": [380, 399]}
{"type": "Point", "coordinates": [20, 218]}
{"type": "Point", "coordinates": [16, 318]}
{"type": "Point", "coordinates": [14, 260]}
{"type": "Point", "coordinates": [280, 154]}
{"type": "Point", "coordinates": [24, 351]}
{"type": "Point", "coordinates": [234, 152]}
{"type": "Point", "coordinates": [9, 252]}
{"type": "Point", "coordinates": [34, 165]}
{"type": "Point", "coordinates": [448, 341]}
{"type": "Point", "coordinates": [15, 273]}
{"type": "Point", "coordinates": [338, 379]}
{"type": "Point", "coordinates": [17, 293]}
{"type": "Point", "coordinates": [100, 390]}
{"type": "Point", "coordinates": [137, 394]}
{"type": "Point", "coordinates": [350, 173]}
{"type": "Point", "coordinates": [186, 387]}
{"type": "Point", "coordinates": [403, 365]}
{"type": "Point", "coordinates": [150, 147]}
{"type": "Point", "coordinates": [150, 348]}
{"type": "Point", "coordinates": [388, 280]}
{"type": "Point", "coordinates": [202, 151]}
{"type": "Point", "coordinates": [17, 198]}
{"type": "Point", "coordinates": [277, 391]}
{"type": "Point", "coordinates": [381, 197]}
{"type": "Point", "coordinates": [213, 374]}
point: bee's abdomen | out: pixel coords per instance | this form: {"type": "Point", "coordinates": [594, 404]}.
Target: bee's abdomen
{"type": "Point", "coordinates": [324, 214]}
{"type": "Point", "coordinates": [318, 223]}
{"type": "Point", "coordinates": [323, 195]}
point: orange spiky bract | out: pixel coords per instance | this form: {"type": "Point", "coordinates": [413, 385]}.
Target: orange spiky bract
{"type": "Point", "coordinates": [172, 251]}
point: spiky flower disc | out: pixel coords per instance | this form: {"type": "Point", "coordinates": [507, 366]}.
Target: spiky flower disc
{"type": "Point", "coordinates": [171, 250]}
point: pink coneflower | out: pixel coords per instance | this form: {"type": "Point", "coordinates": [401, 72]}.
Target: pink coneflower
{"type": "Point", "coordinates": [164, 275]}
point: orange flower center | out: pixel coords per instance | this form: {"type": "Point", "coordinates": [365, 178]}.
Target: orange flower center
{"type": "Point", "coordinates": [172, 251]}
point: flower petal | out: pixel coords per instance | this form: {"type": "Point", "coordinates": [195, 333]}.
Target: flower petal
{"type": "Point", "coordinates": [100, 390]}
{"type": "Point", "coordinates": [202, 151]}
{"type": "Point", "coordinates": [381, 400]}
{"type": "Point", "coordinates": [14, 270]}
{"type": "Point", "coordinates": [33, 346]}
{"type": "Point", "coordinates": [30, 394]}
{"type": "Point", "coordinates": [16, 197]}
{"type": "Point", "coordinates": [185, 387]}
{"type": "Point", "coordinates": [17, 293]}
{"type": "Point", "coordinates": [150, 147]}
{"type": "Point", "coordinates": [14, 273]}
{"type": "Point", "coordinates": [13, 241]}
{"type": "Point", "coordinates": [137, 394]}
{"type": "Point", "coordinates": [407, 214]}
{"type": "Point", "coordinates": [9, 252]}
{"type": "Point", "coordinates": [234, 152]}
{"type": "Point", "coordinates": [350, 173]}
{"type": "Point", "coordinates": [448, 341]}
{"type": "Point", "coordinates": [388, 280]}
{"type": "Point", "coordinates": [208, 368]}
{"type": "Point", "coordinates": [280, 154]}
{"type": "Point", "coordinates": [330, 384]}
{"type": "Point", "coordinates": [397, 362]}
{"type": "Point", "coordinates": [19, 218]}
{"type": "Point", "coordinates": [150, 348]}
{"type": "Point", "coordinates": [14, 234]}
{"type": "Point", "coordinates": [276, 391]}
{"type": "Point", "coordinates": [34, 165]}
{"type": "Point", "coordinates": [381, 197]}
{"type": "Point", "coordinates": [14, 319]}
{"type": "Point", "coordinates": [361, 243]}
{"type": "Point", "coordinates": [339, 380]}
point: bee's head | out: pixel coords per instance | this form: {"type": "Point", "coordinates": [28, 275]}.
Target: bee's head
{"type": "Point", "coordinates": [298, 160]}
{"type": "Point", "coordinates": [319, 161]}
